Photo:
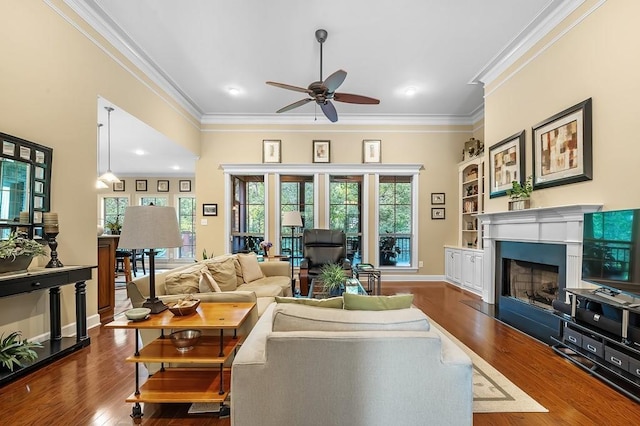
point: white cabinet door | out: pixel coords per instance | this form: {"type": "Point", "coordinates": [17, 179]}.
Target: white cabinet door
{"type": "Point", "coordinates": [478, 283]}
{"type": "Point", "coordinates": [452, 265]}
{"type": "Point", "coordinates": [472, 271]}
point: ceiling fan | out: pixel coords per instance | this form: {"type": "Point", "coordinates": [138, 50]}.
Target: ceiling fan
{"type": "Point", "coordinates": [324, 91]}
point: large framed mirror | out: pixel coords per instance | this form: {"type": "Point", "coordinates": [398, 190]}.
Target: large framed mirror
{"type": "Point", "coordinates": [25, 185]}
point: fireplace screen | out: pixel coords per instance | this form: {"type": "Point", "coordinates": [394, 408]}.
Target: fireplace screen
{"type": "Point", "coordinates": [533, 283]}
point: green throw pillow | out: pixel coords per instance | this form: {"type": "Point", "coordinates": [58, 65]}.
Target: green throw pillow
{"type": "Point", "coordinates": [357, 302]}
{"type": "Point", "coordinates": [332, 302]}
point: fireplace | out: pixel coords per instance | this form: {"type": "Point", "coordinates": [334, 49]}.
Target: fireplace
{"type": "Point", "coordinates": [529, 277]}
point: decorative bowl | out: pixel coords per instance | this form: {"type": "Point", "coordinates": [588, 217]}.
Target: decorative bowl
{"type": "Point", "coordinates": [137, 314]}
{"type": "Point", "coordinates": [185, 340]}
{"type": "Point", "coordinates": [184, 307]}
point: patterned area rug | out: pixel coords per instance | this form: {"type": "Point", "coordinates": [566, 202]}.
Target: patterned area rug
{"type": "Point", "coordinates": [493, 392]}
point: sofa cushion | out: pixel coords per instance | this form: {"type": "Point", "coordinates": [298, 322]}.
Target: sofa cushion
{"type": "Point", "coordinates": [185, 280]}
{"type": "Point", "coordinates": [262, 290]}
{"type": "Point", "coordinates": [294, 317]}
{"type": "Point", "coordinates": [358, 302]}
{"type": "Point", "coordinates": [224, 272]}
{"type": "Point", "coordinates": [207, 282]}
{"type": "Point", "coordinates": [332, 302]}
{"type": "Point", "coordinates": [250, 267]}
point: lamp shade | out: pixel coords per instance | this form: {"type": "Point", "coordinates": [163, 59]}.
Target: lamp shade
{"type": "Point", "coordinates": [292, 219]}
{"type": "Point", "coordinates": [150, 227]}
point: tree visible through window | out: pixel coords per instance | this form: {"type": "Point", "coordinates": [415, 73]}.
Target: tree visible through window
{"type": "Point", "coordinates": [345, 206]}
{"type": "Point", "coordinates": [113, 210]}
{"type": "Point", "coordinates": [395, 220]}
{"type": "Point", "coordinates": [248, 219]}
{"type": "Point", "coordinates": [296, 193]}
{"type": "Point", "coordinates": [187, 224]}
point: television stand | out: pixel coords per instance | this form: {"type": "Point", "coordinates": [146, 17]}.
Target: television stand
{"type": "Point", "coordinates": [613, 296]}
{"type": "Point", "coordinates": [611, 353]}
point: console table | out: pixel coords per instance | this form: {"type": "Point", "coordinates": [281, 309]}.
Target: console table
{"type": "Point", "coordinates": [52, 279]}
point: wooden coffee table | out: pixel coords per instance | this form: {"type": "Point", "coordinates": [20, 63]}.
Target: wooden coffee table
{"type": "Point", "coordinates": [173, 384]}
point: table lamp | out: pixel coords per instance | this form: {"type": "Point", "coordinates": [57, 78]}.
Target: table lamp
{"type": "Point", "coordinates": [150, 228]}
{"type": "Point", "coordinates": [292, 219]}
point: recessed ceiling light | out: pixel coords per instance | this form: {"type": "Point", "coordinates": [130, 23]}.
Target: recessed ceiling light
{"type": "Point", "coordinates": [175, 167]}
{"type": "Point", "coordinates": [139, 152]}
{"type": "Point", "coordinates": [234, 91]}
{"type": "Point", "coordinates": [410, 91]}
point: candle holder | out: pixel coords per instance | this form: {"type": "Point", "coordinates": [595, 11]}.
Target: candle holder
{"type": "Point", "coordinates": [53, 245]}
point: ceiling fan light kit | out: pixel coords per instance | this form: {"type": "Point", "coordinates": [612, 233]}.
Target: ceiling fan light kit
{"type": "Point", "coordinates": [322, 92]}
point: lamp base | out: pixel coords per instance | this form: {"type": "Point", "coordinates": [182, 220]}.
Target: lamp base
{"type": "Point", "coordinates": [155, 305]}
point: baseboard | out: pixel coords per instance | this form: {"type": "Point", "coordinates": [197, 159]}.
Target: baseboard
{"type": "Point", "coordinates": [68, 330]}
{"type": "Point", "coordinates": [413, 278]}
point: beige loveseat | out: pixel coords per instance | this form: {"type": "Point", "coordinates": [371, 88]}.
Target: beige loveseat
{"type": "Point", "coordinates": [304, 365]}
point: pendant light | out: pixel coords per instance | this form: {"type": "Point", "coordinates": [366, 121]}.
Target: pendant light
{"type": "Point", "coordinates": [108, 176]}
{"type": "Point", "coordinates": [100, 184]}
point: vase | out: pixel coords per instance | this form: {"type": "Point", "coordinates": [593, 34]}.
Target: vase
{"type": "Point", "coordinates": [15, 264]}
{"type": "Point", "coordinates": [520, 204]}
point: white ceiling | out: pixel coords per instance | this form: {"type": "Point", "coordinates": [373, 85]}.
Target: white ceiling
{"type": "Point", "coordinates": [199, 49]}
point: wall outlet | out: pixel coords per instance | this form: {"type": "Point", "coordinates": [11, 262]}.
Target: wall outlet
{"type": "Point", "coordinates": [420, 264]}
{"type": "Point", "coordinates": [204, 222]}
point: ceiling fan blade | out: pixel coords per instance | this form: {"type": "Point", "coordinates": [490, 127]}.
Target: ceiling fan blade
{"type": "Point", "coordinates": [330, 111]}
{"type": "Point", "coordinates": [289, 87]}
{"type": "Point", "coordinates": [354, 99]}
{"type": "Point", "coordinates": [335, 80]}
{"type": "Point", "coordinates": [294, 105]}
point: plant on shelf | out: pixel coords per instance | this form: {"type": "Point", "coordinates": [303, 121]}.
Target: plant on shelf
{"type": "Point", "coordinates": [520, 191]}
{"type": "Point", "coordinates": [114, 226]}
{"type": "Point", "coordinates": [266, 245]}
{"type": "Point", "coordinates": [333, 277]}
{"type": "Point", "coordinates": [18, 245]}
{"type": "Point", "coordinates": [389, 251]}
{"type": "Point", "coordinates": [14, 351]}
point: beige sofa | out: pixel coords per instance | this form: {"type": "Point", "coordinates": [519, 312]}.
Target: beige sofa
{"type": "Point", "coordinates": [320, 366]}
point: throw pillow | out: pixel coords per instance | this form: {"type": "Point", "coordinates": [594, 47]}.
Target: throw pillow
{"type": "Point", "coordinates": [250, 267]}
{"type": "Point", "coordinates": [332, 302]}
{"type": "Point", "coordinates": [357, 302]}
{"type": "Point", "coordinates": [207, 283]}
{"type": "Point", "coordinates": [224, 272]}
{"type": "Point", "coordinates": [183, 281]}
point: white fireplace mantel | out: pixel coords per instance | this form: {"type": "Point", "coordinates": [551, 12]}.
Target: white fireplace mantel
{"type": "Point", "coordinates": [551, 225]}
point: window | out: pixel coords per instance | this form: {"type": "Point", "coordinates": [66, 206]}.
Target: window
{"type": "Point", "coordinates": [156, 201]}
{"type": "Point", "coordinates": [113, 210]}
{"type": "Point", "coordinates": [395, 220]}
{"type": "Point", "coordinates": [187, 224]}
{"type": "Point", "coordinates": [345, 206]}
{"type": "Point", "coordinates": [248, 219]}
{"type": "Point", "coordinates": [296, 193]}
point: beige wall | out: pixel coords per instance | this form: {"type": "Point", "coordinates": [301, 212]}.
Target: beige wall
{"type": "Point", "coordinates": [51, 78]}
{"type": "Point", "coordinates": [438, 148]}
{"type": "Point", "coordinates": [598, 59]}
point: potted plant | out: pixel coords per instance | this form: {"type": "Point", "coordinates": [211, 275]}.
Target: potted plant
{"type": "Point", "coordinates": [520, 194]}
{"type": "Point", "coordinates": [389, 251]}
{"type": "Point", "coordinates": [114, 226]}
{"type": "Point", "coordinates": [14, 351]}
{"type": "Point", "coordinates": [17, 252]}
{"type": "Point", "coordinates": [333, 277]}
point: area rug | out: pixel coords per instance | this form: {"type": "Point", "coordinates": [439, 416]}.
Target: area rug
{"type": "Point", "coordinates": [492, 391]}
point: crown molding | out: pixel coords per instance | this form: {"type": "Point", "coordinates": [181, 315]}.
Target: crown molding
{"type": "Point", "coordinates": [548, 18]}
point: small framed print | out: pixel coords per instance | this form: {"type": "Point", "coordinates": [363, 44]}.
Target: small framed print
{"type": "Point", "coordinates": [321, 153]}
{"type": "Point", "coordinates": [271, 151]}
{"type": "Point", "coordinates": [38, 202]}
{"type": "Point", "coordinates": [185, 186]}
{"type": "Point", "coordinates": [163, 186]}
{"type": "Point", "coordinates": [25, 153]}
{"type": "Point", "coordinates": [437, 213]}
{"type": "Point", "coordinates": [38, 187]}
{"type": "Point", "coordinates": [371, 151]}
{"type": "Point", "coordinates": [118, 186]}
{"type": "Point", "coordinates": [8, 148]}
{"type": "Point", "coordinates": [39, 173]}
{"type": "Point", "coordinates": [39, 157]}
{"type": "Point", "coordinates": [209, 210]}
{"type": "Point", "coordinates": [141, 185]}
{"type": "Point", "coordinates": [437, 198]}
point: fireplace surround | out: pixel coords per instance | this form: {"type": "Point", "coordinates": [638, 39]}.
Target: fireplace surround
{"type": "Point", "coordinates": [553, 231]}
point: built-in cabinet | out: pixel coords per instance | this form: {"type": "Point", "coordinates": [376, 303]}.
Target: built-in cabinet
{"type": "Point", "coordinates": [471, 177]}
{"type": "Point", "coordinates": [463, 267]}
{"type": "Point", "coordinates": [453, 265]}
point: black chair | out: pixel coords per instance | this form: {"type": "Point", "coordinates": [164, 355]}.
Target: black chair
{"type": "Point", "coordinates": [137, 256]}
{"type": "Point", "coordinates": [319, 247]}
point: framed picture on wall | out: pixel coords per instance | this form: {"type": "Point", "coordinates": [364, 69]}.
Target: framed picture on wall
{"type": "Point", "coordinates": [185, 185]}
{"type": "Point", "coordinates": [209, 210]}
{"type": "Point", "coordinates": [437, 198]}
{"type": "Point", "coordinates": [321, 152]}
{"type": "Point", "coordinates": [163, 186]}
{"type": "Point", "coordinates": [141, 185]}
{"type": "Point", "coordinates": [271, 151]}
{"type": "Point", "coordinates": [371, 151]}
{"type": "Point", "coordinates": [506, 164]}
{"type": "Point", "coordinates": [437, 213]}
{"type": "Point", "coordinates": [118, 186]}
{"type": "Point", "coordinates": [562, 147]}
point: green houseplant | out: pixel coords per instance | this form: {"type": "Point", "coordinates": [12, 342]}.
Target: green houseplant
{"type": "Point", "coordinates": [17, 251]}
{"type": "Point", "coordinates": [389, 251]}
{"type": "Point", "coordinates": [14, 351]}
{"type": "Point", "coordinates": [520, 194]}
{"type": "Point", "coordinates": [333, 277]}
{"type": "Point", "coordinates": [114, 226]}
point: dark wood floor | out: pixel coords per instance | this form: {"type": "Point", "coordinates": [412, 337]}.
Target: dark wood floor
{"type": "Point", "coordinates": [89, 387]}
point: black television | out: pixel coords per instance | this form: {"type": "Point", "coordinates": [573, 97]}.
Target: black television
{"type": "Point", "coordinates": [610, 251]}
